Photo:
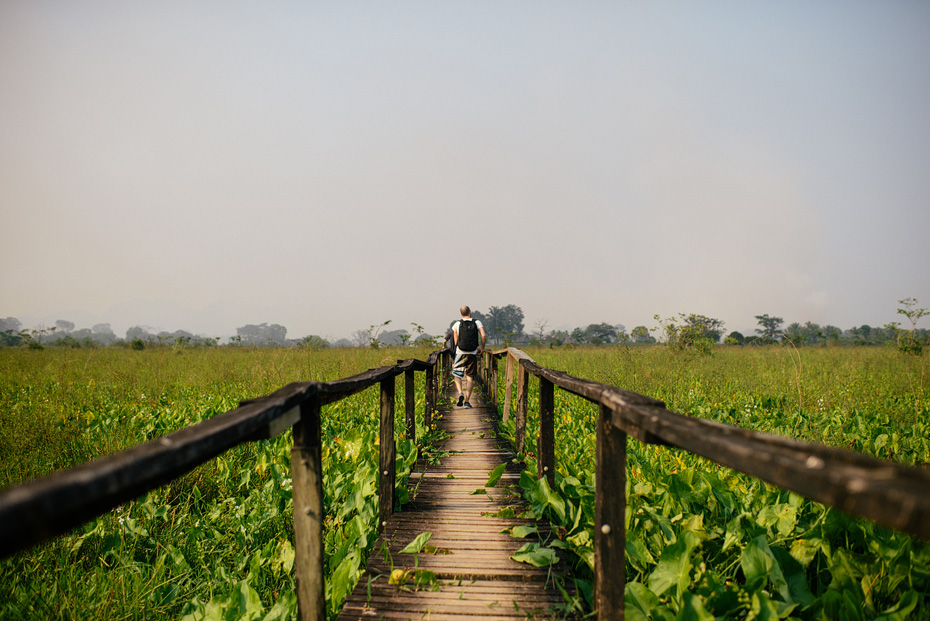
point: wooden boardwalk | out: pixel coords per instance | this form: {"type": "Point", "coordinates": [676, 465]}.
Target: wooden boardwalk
{"type": "Point", "coordinates": [472, 575]}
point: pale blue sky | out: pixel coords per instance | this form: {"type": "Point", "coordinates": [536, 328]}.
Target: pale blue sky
{"type": "Point", "coordinates": [203, 165]}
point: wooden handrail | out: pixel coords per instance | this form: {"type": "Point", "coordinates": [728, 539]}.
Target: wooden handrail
{"type": "Point", "coordinates": [886, 493]}
{"type": "Point", "coordinates": [41, 509]}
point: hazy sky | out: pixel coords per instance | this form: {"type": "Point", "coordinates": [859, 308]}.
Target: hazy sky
{"type": "Point", "coordinates": [328, 166]}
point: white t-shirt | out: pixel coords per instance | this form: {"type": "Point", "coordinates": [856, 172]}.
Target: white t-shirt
{"type": "Point", "coordinates": [455, 328]}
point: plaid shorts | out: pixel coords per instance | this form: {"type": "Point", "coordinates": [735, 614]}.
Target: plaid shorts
{"type": "Point", "coordinates": [465, 364]}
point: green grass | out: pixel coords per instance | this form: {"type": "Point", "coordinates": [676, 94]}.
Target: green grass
{"type": "Point", "coordinates": [704, 541]}
{"type": "Point", "coordinates": [217, 539]}
{"type": "Point", "coordinates": [217, 543]}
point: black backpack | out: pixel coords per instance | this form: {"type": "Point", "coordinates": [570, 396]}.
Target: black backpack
{"type": "Point", "coordinates": [468, 335]}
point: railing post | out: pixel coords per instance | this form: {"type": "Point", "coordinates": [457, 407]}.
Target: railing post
{"type": "Point", "coordinates": [410, 405]}
{"type": "Point", "coordinates": [545, 445]}
{"type": "Point", "coordinates": [492, 379]}
{"type": "Point", "coordinates": [428, 398]}
{"type": "Point", "coordinates": [307, 490]}
{"type": "Point", "coordinates": [508, 387]}
{"type": "Point", "coordinates": [386, 454]}
{"type": "Point", "coordinates": [447, 360]}
{"type": "Point", "coordinates": [609, 517]}
{"type": "Point", "coordinates": [523, 384]}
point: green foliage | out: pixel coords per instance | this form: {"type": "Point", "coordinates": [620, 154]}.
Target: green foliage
{"type": "Point", "coordinates": [909, 341]}
{"type": "Point", "coordinates": [771, 327]}
{"type": "Point", "coordinates": [502, 323]}
{"type": "Point", "coordinates": [216, 543]}
{"type": "Point", "coordinates": [691, 332]}
{"type": "Point", "coordinates": [704, 542]}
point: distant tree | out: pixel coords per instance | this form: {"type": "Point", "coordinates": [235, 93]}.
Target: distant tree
{"type": "Point", "coordinates": [734, 338]}
{"type": "Point", "coordinates": [394, 338]}
{"type": "Point", "coordinates": [578, 336]}
{"type": "Point", "coordinates": [361, 338]}
{"type": "Point", "coordinates": [427, 340]}
{"type": "Point", "coordinates": [10, 324]}
{"type": "Point", "coordinates": [600, 333]}
{"type": "Point", "coordinates": [138, 332]}
{"type": "Point", "coordinates": [557, 338]}
{"type": "Point", "coordinates": [691, 331]}
{"type": "Point", "coordinates": [831, 333]}
{"type": "Point", "coordinates": [313, 342]}
{"type": "Point", "coordinates": [103, 334]}
{"type": "Point", "coordinates": [861, 334]}
{"type": "Point", "coordinates": [909, 341]}
{"type": "Point", "coordinates": [374, 331]}
{"type": "Point", "coordinates": [262, 334]}
{"type": "Point", "coordinates": [540, 329]}
{"type": "Point", "coordinates": [700, 326]}
{"type": "Point", "coordinates": [10, 332]}
{"type": "Point", "coordinates": [504, 323]}
{"type": "Point", "coordinates": [640, 334]}
{"type": "Point", "coordinates": [795, 333]}
{"type": "Point", "coordinates": [771, 327]}
{"type": "Point", "coordinates": [64, 326]}
{"type": "Point", "coordinates": [812, 333]}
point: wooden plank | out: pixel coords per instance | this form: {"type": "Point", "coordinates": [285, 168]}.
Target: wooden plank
{"type": "Point", "coordinates": [474, 576]}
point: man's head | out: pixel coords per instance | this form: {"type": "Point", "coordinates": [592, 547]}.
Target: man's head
{"type": "Point", "coordinates": [466, 312]}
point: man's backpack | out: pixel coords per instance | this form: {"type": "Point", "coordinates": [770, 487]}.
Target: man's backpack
{"type": "Point", "coordinates": [468, 335]}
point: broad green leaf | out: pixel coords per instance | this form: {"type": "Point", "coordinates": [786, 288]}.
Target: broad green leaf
{"type": "Point", "coordinates": [762, 608]}
{"type": "Point", "coordinates": [674, 568]}
{"type": "Point", "coordinates": [522, 531]}
{"type": "Point", "coordinates": [795, 577]}
{"type": "Point", "coordinates": [536, 555]}
{"type": "Point", "coordinates": [902, 610]}
{"type": "Point", "coordinates": [760, 567]}
{"type": "Point", "coordinates": [641, 603]}
{"type": "Point", "coordinates": [284, 609]}
{"type": "Point", "coordinates": [783, 517]}
{"type": "Point", "coordinates": [551, 498]}
{"type": "Point", "coordinates": [416, 546]}
{"type": "Point", "coordinates": [495, 475]}
{"type": "Point", "coordinates": [804, 550]}
{"type": "Point", "coordinates": [692, 609]}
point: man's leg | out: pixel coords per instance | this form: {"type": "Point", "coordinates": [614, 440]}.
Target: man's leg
{"type": "Point", "coordinates": [458, 384]}
{"type": "Point", "coordinates": [468, 385]}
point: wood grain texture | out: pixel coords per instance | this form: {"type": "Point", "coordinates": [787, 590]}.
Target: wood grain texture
{"type": "Point", "coordinates": [470, 549]}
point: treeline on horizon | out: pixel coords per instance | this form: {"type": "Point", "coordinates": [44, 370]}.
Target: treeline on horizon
{"type": "Point", "coordinates": [504, 326]}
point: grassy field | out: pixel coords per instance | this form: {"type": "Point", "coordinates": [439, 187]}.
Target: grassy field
{"type": "Point", "coordinates": [216, 543]}
{"type": "Point", "coordinates": [702, 541]}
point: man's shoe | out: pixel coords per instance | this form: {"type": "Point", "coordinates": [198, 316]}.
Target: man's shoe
{"type": "Point", "coordinates": [467, 404]}
{"type": "Point", "coordinates": [461, 400]}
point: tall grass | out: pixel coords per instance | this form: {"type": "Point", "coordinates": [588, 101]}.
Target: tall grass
{"type": "Point", "coordinates": [215, 541]}
{"type": "Point", "coordinates": [706, 542]}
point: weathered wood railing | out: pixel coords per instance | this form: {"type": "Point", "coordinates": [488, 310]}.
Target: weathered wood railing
{"type": "Point", "coordinates": [890, 494]}
{"type": "Point", "coordinates": [41, 509]}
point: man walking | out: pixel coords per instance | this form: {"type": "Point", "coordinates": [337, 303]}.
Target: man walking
{"type": "Point", "coordinates": [469, 342]}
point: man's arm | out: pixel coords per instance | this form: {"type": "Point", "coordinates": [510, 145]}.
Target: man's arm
{"type": "Point", "coordinates": [484, 337]}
